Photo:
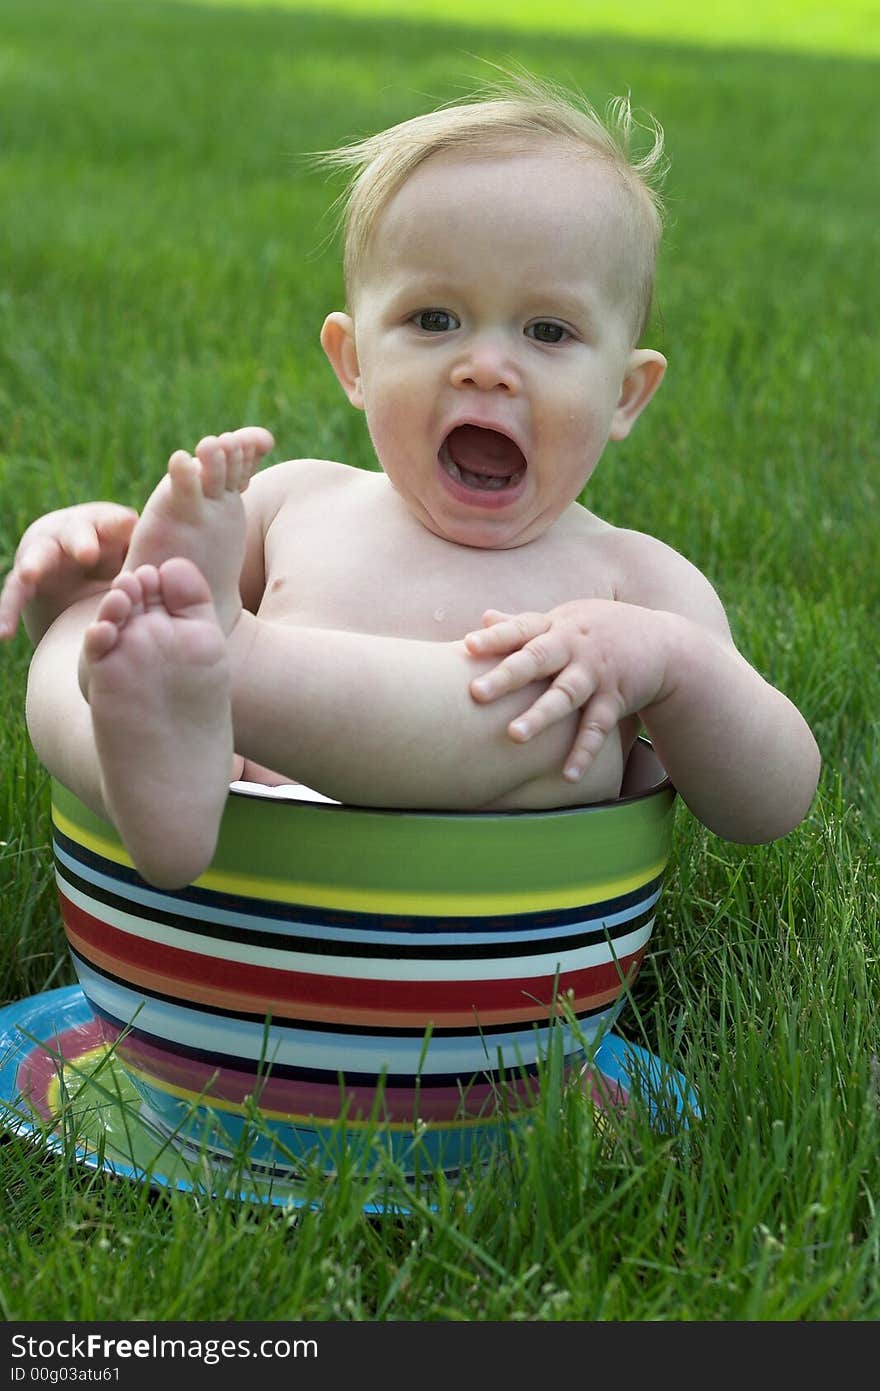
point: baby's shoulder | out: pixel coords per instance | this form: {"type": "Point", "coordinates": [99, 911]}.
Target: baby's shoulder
{"type": "Point", "coordinates": [637, 552]}
{"type": "Point", "coordinates": [298, 475]}
{"type": "Point", "coordinates": [652, 574]}
{"type": "Point", "coordinates": [295, 480]}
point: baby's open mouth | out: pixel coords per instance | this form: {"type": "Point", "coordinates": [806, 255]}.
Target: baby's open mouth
{"type": "Point", "coordinates": [481, 458]}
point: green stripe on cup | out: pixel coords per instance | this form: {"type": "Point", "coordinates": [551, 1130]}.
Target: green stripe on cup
{"type": "Point", "coordinates": [421, 862]}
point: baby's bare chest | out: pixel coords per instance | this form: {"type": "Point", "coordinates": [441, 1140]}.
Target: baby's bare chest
{"type": "Point", "coordinates": [400, 580]}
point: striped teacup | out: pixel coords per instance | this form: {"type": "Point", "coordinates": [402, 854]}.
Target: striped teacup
{"type": "Point", "coordinates": [402, 970]}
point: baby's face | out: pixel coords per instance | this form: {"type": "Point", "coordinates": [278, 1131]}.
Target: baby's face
{"type": "Point", "coordinates": [492, 336]}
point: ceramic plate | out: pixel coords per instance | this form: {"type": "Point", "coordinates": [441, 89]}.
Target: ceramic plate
{"type": "Point", "coordinates": [61, 1087]}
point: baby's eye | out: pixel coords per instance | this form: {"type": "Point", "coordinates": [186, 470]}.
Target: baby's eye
{"type": "Point", "coordinates": [436, 320]}
{"type": "Point", "coordinates": [544, 331]}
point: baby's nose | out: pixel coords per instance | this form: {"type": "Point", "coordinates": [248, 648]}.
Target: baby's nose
{"type": "Point", "coordinates": [486, 364]}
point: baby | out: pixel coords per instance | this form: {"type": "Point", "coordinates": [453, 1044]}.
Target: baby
{"type": "Point", "coordinates": [327, 624]}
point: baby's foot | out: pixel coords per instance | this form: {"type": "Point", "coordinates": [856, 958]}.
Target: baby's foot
{"type": "Point", "coordinates": [196, 512]}
{"type": "Point", "coordinates": [153, 669]}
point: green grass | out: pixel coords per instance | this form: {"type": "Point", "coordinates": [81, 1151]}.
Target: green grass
{"type": "Point", "coordinates": [165, 271]}
{"type": "Point", "coordinates": [805, 25]}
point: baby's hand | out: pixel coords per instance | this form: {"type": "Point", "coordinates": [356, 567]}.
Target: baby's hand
{"type": "Point", "coordinates": [61, 556]}
{"type": "Point", "coordinates": [607, 658]}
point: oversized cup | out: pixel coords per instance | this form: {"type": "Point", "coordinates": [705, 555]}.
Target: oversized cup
{"type": "Point", "coordinates": [345, 972]}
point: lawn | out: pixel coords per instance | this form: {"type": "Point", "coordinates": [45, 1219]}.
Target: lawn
{"type": "Point", "coordinates": [166, 263]}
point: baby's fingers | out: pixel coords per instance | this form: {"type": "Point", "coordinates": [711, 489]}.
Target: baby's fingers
{"type": "Point", "coordinates": [79, 540]}
{"type": "Point", "coordinates": [13, 597]}
{"type": "Point", "coordinates": [600, 716]}
{"type": "Point", "coordinates": [39, 558]}
{"type": "Point", "coordinates": [33, 558]}
{"type": "Point", "coordinates": [505, 632]}
{"type": "Point", "coordinates": [95, 543]}
{"type": "Point", "coordinates": [115, 528]}
{"type": "Point", "coordinates": [551, 707]}
{"type": "Point", "coordinates": [95, 533]}
{"type": "Point", "coordinates": [542, 657]}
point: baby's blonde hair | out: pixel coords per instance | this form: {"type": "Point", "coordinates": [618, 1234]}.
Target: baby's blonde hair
{"type": "Point", "coordinates": [516, 111]}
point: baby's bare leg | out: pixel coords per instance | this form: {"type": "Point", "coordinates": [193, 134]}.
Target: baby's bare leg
{"type": "Point", "coordinates": [390, 722]}
{"type": "Point", "coordinates": [196, 512]}
{"type": "Point", "coordinates": [58, 717]}
{"type": "Point", "coordinates": [153, 669]}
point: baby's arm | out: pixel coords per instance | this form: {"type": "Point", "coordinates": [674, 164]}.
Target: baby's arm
{"type": "Point", "coordinates": [740, 754]}
{"type": "Point", "coordinates": [63, 557]}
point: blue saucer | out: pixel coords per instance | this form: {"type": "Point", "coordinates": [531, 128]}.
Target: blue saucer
{"type": "Point", "coordinates": [64, 1089]}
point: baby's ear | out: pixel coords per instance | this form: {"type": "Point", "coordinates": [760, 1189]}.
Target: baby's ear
{"type": "Point", "coordinates": [337, 340]}
{"type": "Point", "coordinates": [644, 374]}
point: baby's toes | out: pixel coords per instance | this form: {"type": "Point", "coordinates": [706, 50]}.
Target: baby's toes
{"type": "Point", "coordinates": [261, 439]}
{"type": "Point", "coordinates": [118, 604]}
{"type": "Point", "coordinates": [146, 577]}
{"type": "Point", "coordinates": [231, 445]}
{"type": "Point", "coordinates": [182, 585]}
{"type": "Point", "coordinates": [185, 473]}
{"type": "Point", "coordinates": [254, 442]}
{"type": "Point", "coordinates": [206, 446]}
{"type": "Point", "coordinates": [235, 467]}
{"type": "Point", "coordinates": [214, 466]}
{"type": "Point", "coordinates": [250, 457]}
{"type": "Point", "coordinates": [99, 638]}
